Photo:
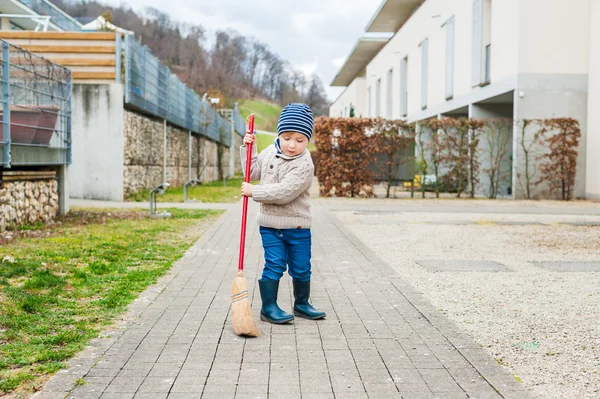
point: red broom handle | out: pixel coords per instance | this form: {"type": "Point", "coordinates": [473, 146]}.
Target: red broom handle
{"type": "Point", "coordinates": [245, 206]}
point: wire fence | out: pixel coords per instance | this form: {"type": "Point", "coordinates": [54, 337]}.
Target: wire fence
{"type": "Point", "coordinates": [152, 88]}
{"type": "Point", "coordinates": [35, 121]}
{"type": "Point", "coordinates": [239, 122]}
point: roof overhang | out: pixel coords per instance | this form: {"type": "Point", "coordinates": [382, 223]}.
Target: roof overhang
{"type": "Point", "coordinates": [363, 52]}
{"type": "Point", "coordinates": [392, 14]}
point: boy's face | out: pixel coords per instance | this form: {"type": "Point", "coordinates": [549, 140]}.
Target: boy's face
{"type": "Point", "coordinates": [293, 143]}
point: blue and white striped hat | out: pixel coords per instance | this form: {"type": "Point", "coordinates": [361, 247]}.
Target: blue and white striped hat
{"type": "Point", "coordinates": [296, 117]}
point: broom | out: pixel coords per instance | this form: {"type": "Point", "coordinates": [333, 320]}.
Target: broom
{"type": "Point", "coordinates": [243, 322]}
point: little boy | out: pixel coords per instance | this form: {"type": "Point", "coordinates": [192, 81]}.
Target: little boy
{"type": "Point", "coordinates": [285, 170]}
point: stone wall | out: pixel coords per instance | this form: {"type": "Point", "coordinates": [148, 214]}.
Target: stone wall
{"type": "Point", "coordinates": [144, 155]}
{"type": "Point", "coordinates": [208, 170]}
{"type": "Point", "coordinates": [237, 143]}
{"type": "Point", "coordinates": [27, 202]}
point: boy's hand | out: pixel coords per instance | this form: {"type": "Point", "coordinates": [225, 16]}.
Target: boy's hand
{"type": "Point", "coordinates": [249, 138]}
{"type": "Point", "coordinates": [247, 189]}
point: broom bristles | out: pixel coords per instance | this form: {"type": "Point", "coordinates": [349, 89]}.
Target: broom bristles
{"type": "Point", "coordinates": [241, 313]}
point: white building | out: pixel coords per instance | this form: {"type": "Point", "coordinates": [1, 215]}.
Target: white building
{"type": "Point", "coordinates": [521, 59]}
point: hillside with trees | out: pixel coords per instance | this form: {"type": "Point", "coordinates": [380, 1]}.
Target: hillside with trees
{"type": "Point", "coordinates": [234, 66]}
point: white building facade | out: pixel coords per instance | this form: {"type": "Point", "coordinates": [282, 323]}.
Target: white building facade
{"type": "Point", "coordinates": [517, 59]}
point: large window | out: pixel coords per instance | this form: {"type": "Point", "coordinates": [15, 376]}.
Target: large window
{"type": "Point", "coordinates": [449, 58]}
{"type": "Point", "coordinates": [424, 71]}
{"type": "Point", "coordinates": [370, 103]}
{"type": "Point", "coordinates": [378, 98]}
{"type": "Point", "coordinates": [388, 110]}
{"type": "Point", "coordinates": [404, 86]}
{"type": "Point", "coordinates": [482, 42]}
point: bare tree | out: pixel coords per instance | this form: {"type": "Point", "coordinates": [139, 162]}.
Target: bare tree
{"type": "Point", "coordinates": [237, 66]}
{"type": "Point", "coordinates": [497, 137]}
{"type": "Point", "coordinates": [422, 163]}
{"type": "Point", "coordinates": [528, 146]}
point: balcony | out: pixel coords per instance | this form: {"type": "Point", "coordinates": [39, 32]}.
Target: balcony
{"type": "Point", "coordinates": [59, 18]}
{"type": "Point", "coordinates": [35, 116]}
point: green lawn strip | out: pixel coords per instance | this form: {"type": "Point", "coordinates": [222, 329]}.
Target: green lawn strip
{"type": "Point", "coordinates": [263, 141]}
{"type": "Point", "coordinates": [265, 114]}
{"type": "Point", "coordinates": [217, 191]}
{"type": "Point", "coordinates": [62, 289]}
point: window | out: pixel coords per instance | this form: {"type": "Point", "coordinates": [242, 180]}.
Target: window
{"type": "Point", "coordinates": [424, 70]}
{"type": "Point", "coordinates": [369, 104]}
{"type": "Point", "coordinates": [378, 98]}
{"type": "Point", "coordinates": [486, 77]}
{"type": "Point", "coordinates": [404, 86]}
{"type": "Point", "coordinates": [487, 40]}
{"type": "Point", "coordinates": [449, 58]}
{"type": "Point", "coordinates": [477, 40]}
{"type": "Point", "coordinates": [482, 39]}
{"type": "Point", "coordinates": [388, 111]}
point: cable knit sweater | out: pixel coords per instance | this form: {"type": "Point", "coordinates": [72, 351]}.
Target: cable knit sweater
{"type": "Point", "coordinates": [283, 192]}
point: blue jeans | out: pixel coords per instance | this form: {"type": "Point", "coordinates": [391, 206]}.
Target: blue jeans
{"type": "Point", "coordinates": [286, 247]}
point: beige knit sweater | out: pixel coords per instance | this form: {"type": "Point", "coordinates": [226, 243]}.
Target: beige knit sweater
{"type": "Point", "coordinates": [283, 192]}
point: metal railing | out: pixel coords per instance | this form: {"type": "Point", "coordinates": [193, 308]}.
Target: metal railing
{"type": "Point", "coordinates": [35, 117]}
{"type": "Point", "coordinates": [238, 121]}
{"type": "Point", "coordinates": [152, 88]}
{"type": "Point", "coordinates": [59, 18]}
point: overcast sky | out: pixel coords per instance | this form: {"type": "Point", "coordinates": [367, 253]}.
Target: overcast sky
{"type": "Point", "coordinates": [314, 35]}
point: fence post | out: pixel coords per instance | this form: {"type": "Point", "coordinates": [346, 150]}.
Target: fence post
{"type": "Point", "coordinates": [6, 103]}
{"type": "Point", "coordinates": [189, 155]}
{"type": "Point", "coordinates": [231, 149]}
{"type": "Point", "coordinates": [127, 68]}
{"type": "Point", "coordinates": [68, 116]}
{"type": "Point", "coordinates": [164, 151]}
{"type": "Point", "coordinates": [118, 58]}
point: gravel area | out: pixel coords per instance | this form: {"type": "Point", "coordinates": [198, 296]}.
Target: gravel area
{"type": "Point", "coordinates": [542, 325]}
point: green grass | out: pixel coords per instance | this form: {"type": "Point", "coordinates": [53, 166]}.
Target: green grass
{"type": "Point", "coordinates": [265, 114]}
{"type": "Point", "coordinates": [263, 141]}
{"type": "Point", "coordinates": [217, 191]}
{"type": "Point", "coordinates": [64, 288]}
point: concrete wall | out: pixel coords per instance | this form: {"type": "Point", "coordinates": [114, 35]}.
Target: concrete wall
{"type": "Point", "coordinates": [497, 137]}
{"type": "Point", "coordinates": [356, 95]}
{"type": "Point", "coordinates": [97, 168]}
{"type": "Point", "coordinates": [592, 186]}
{"type": "Point", "coordinates": [551, 96]}
{"type": "Point", "coordinates": [554, 36]}
{"type": "Point", "coordinates": [144, 150]}
{"type": "Point", "coordinates": [118, 152]}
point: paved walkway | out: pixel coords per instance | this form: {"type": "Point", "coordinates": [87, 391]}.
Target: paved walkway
{"type": "Point", "coordinates": [381, 338]}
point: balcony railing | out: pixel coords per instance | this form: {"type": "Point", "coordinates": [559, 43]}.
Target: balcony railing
{"type": "Point", "coordinates": [35, 125]}
{"type": "Point", "coordinates": [152, 88]}
{"type": "Point", "coordinates": [59, 18]}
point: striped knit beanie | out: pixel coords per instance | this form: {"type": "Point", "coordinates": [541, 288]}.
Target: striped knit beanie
{"type": "Point", "coordinates": [296, 117]}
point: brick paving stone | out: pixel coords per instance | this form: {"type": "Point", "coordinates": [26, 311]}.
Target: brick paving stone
{"type": "Point", "coordinates": [381, 338]}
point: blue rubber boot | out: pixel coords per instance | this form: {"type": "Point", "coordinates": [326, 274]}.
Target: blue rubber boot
{"type": "Point", "coordinates": [270, 311]}
{"type": "Point", "coordinates": [301, 306]}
